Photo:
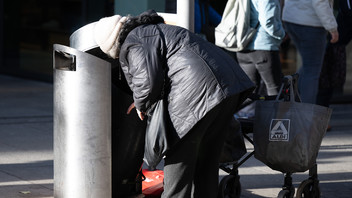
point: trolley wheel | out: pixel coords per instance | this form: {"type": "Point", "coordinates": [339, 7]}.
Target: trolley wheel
{"type": "Point", "coordinates": [230, 187]}
{"type": "Point", "coordinates": [308, 188]}
{"type": "Point", "coordinates": [287, 193]}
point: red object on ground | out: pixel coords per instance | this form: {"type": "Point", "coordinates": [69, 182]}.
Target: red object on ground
{"type": "Point", "coordinates": [152, 186]}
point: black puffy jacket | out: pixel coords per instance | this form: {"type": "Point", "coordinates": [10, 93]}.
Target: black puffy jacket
{"type": "Point", "coordinates": [200, 74]}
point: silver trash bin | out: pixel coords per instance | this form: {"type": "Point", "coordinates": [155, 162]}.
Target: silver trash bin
{"type": "Point", "coordinates": [91, 97]}
{"type": "Point", "coordinates": [82, 124]}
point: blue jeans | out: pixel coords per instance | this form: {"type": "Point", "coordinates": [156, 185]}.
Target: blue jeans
{"type": "Point", "coordinates": [310, 43]}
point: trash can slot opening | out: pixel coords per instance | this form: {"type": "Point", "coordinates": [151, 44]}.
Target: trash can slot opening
{"type": "Point", "coordinates": [64, 61]}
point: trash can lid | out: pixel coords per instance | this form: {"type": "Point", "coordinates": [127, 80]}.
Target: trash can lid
{"type": "Point", "coordinates": [82, 39]}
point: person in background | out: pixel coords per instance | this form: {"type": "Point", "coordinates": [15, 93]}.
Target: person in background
{"type": "Point", "coordinates": [206, 18]}
{"type": "Point", "coordinates": [333, 73]}
{"type": "Point", "coordinates": [204, 87]}
{"type": "Point", "coordinates": [260, 60]}
{"type": "Point", "coordinates": [307, 23]}
{"type": "Point", "coordinates": [261, 56]}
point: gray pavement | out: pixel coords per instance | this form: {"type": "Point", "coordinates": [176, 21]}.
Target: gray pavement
{"type": "Point", "coordinates": [26, 148]}
{"type": "Point", "coordinates": [26, 138]}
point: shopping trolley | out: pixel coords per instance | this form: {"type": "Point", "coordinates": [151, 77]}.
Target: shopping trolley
{"type": "Point", "coordinates": [230, 185]}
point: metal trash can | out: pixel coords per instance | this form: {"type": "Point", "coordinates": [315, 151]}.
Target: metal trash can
{"type": "Point", "coordinates": [82, 124]}
{"type": "Point", "coordinates": [98, 149]}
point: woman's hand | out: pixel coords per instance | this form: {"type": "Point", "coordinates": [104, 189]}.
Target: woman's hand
{"type": "Point", "coordinates": [140, 114]}
{"type": "Point", "coordinates": [334, 36]}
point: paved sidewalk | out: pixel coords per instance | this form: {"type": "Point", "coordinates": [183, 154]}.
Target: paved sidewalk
{"type": "Point", "coordinates": [26, 148]}
{"type": "Point", "coordinates": [26, 138]}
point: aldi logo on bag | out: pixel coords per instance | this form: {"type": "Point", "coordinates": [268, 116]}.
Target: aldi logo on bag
{"type": "Point", "coordinates": [279, 130]}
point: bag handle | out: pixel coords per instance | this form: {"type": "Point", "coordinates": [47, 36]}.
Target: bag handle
{"type": "Point", "coordinates": [289, 89]}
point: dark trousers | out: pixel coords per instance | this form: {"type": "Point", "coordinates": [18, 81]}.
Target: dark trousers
{"type": "Point", "coordinates": [333, 73]}
{"type": "Point", "coordinates": [262, 65]}
{"type": "Point", "coordinates": [191, 168]}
